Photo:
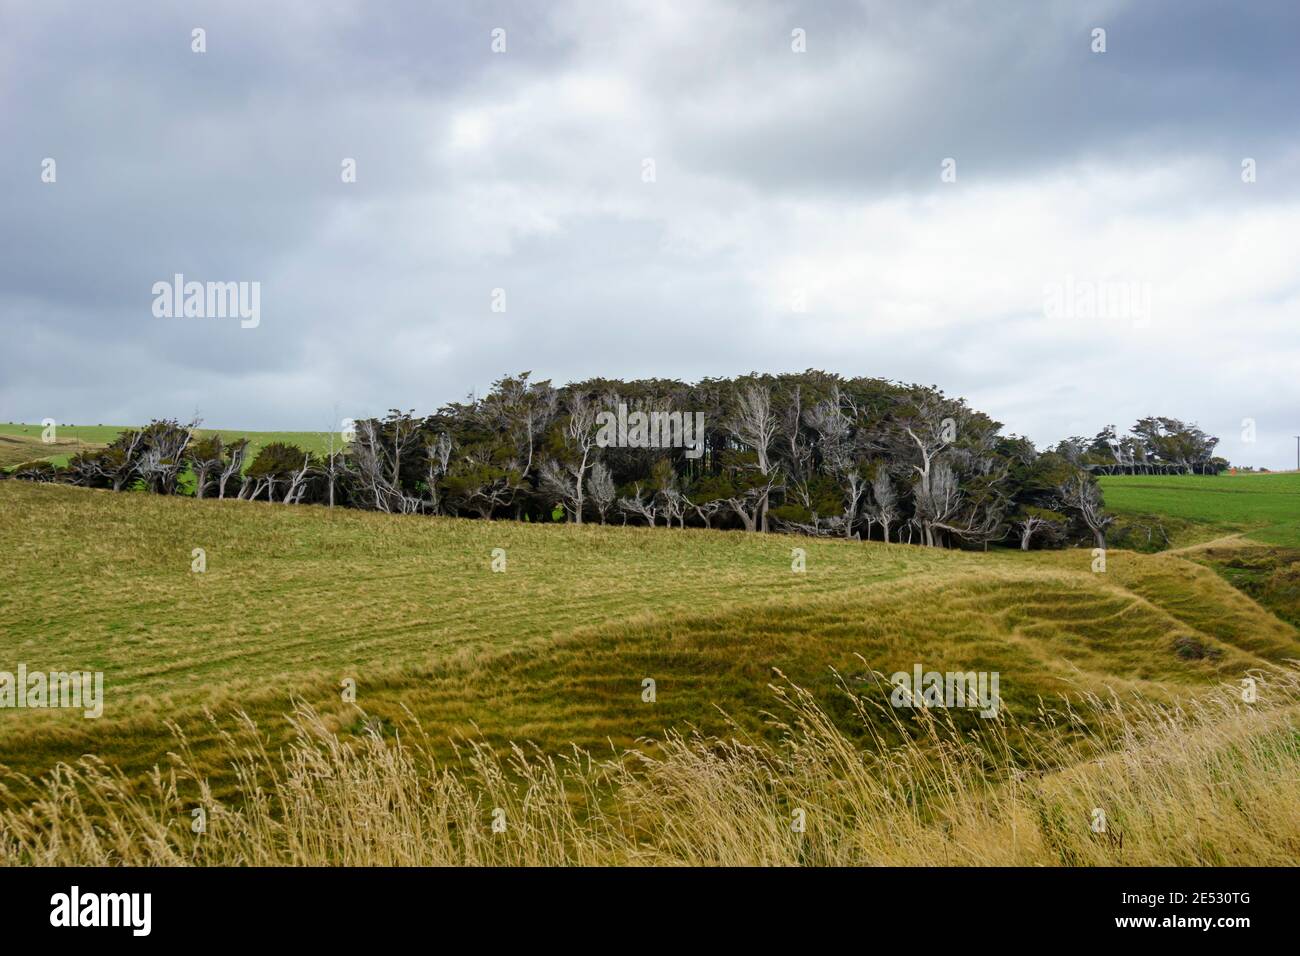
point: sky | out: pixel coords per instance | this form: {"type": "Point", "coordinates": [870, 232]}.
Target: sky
{"type": "Point", "coordinates": [970, 195]}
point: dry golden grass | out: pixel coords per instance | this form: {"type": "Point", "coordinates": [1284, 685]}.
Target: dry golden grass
{"type": "Point", "coordinates": [552, 653]}
{"type": "Point", "coordinates": [20, 449]}
{"type": "Point", "coordinates": [1214, 783]}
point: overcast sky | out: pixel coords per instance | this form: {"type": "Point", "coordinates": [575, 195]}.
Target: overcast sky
{"type": "Point", "coordinates": [798, 214]}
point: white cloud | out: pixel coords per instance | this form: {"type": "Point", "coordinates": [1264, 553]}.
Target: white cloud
{"type": "Point", "coordinates": [777, 174]}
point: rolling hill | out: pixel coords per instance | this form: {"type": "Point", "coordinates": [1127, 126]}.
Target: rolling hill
{"type": "Point", "coordinates": [1266, 507]}
{"type": "Point", "coordinates": [22, 442]}
{"type": "Point", "coordinates": [296, 599]}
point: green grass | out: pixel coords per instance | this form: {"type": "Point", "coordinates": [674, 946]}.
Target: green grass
{"type": "Point", "coordinates": [18, 449]}
{"type": "Point", "coordinates": [72, 438]}
{"type": "Point", "coordinates": [554, 650]}
{"type": "Point", "coordinates": [1270, 575]}
{"type": "Point", "coordinates": [1265, 507]}
{"type": "Point", "coordinates": [89, 434]}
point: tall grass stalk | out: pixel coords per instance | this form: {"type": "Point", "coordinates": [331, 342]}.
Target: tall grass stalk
{"type": "Point", "coordinates": [1214, 783]}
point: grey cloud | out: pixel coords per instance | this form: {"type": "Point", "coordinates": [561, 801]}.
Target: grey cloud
{"type": "Point", "coordinates": [226, 166]}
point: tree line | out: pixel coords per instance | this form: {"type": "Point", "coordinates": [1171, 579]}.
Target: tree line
{"type": "Point", "coordinates": [1153, 446]}
{"type": "Point", "coordinates": [810, 453]}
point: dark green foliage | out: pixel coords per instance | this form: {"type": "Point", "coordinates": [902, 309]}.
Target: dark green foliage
{"type": "Point", "coordinates": [811, 452]}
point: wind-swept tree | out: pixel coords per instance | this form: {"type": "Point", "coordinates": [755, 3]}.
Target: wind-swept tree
{"type": "Point", "coordinates": [809, 453]}
{"type": "Point", "coordinates": [885, 508]}
{"type": "Point", "coordinates": [437, 455]}
{"type": "Point", "coordinates": [279, 466]}
{"type": "Point", "coordinates": [842, 455]}
{"type": "Point", "coordinates": [232, 467]}
{"type": "Point", "coordinates": [205, 456]}
{"type": "Point", "coordinates": [600, 486]}
{"type": "Point", "coordinates": [1031, 521]}
{"type": "Point", "coordinates": [640, 504]}
{"type": "Point", "coordinates": [924, 430]}
{"type": "Point", "coordinates": [118, 462]}
{"type": "Point", "coordinates": [567, 477]}
{"type": "Point", "coordinates": [1082, 495]}
{"type": "Point", "coordinates": [377, 455]}
{"type": "Point", "coordinates": [162, 453]}
{"type": "Point", "coordinates": [752, 425]}
{"type": "Point", "coordinates": [519, 412]}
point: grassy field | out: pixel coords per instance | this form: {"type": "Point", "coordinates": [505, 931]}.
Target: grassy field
{"type": "Point", "coordinates": [1213, 784]}
{"type": "Point", "coordinates": [16, 449]}
{"type": "Point", "coordinates": [294, 600]}
{"type": "Point", "coordinates": [22, 442]}
{"type": "Point", "coordinates": [554, 651]}
{"type": "Point", "coordinates": [1266, 507]}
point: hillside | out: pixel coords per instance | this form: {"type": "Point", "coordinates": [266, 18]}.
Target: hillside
{"type": "Point", "coordinates": [15, 449]}
{"type": "Point", "coordinates": [1265, 507]}
{"type": "Point", "coordinates": [22, 442]}
{"type": "Point", "coordinates": [554, 650]}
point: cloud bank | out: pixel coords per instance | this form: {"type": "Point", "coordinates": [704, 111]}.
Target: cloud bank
{"type": "Point", "coordinates": [798, 213]}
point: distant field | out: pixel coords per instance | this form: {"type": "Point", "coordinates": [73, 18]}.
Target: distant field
{"type": "Point", "coordinates": [554, 650]}
{"type": "Point", "coordinates": [25, 439]}
{"type": "Point", "coordinates": [1264, 507]}
{"type": "Point", "coordinates": [15, 449]}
